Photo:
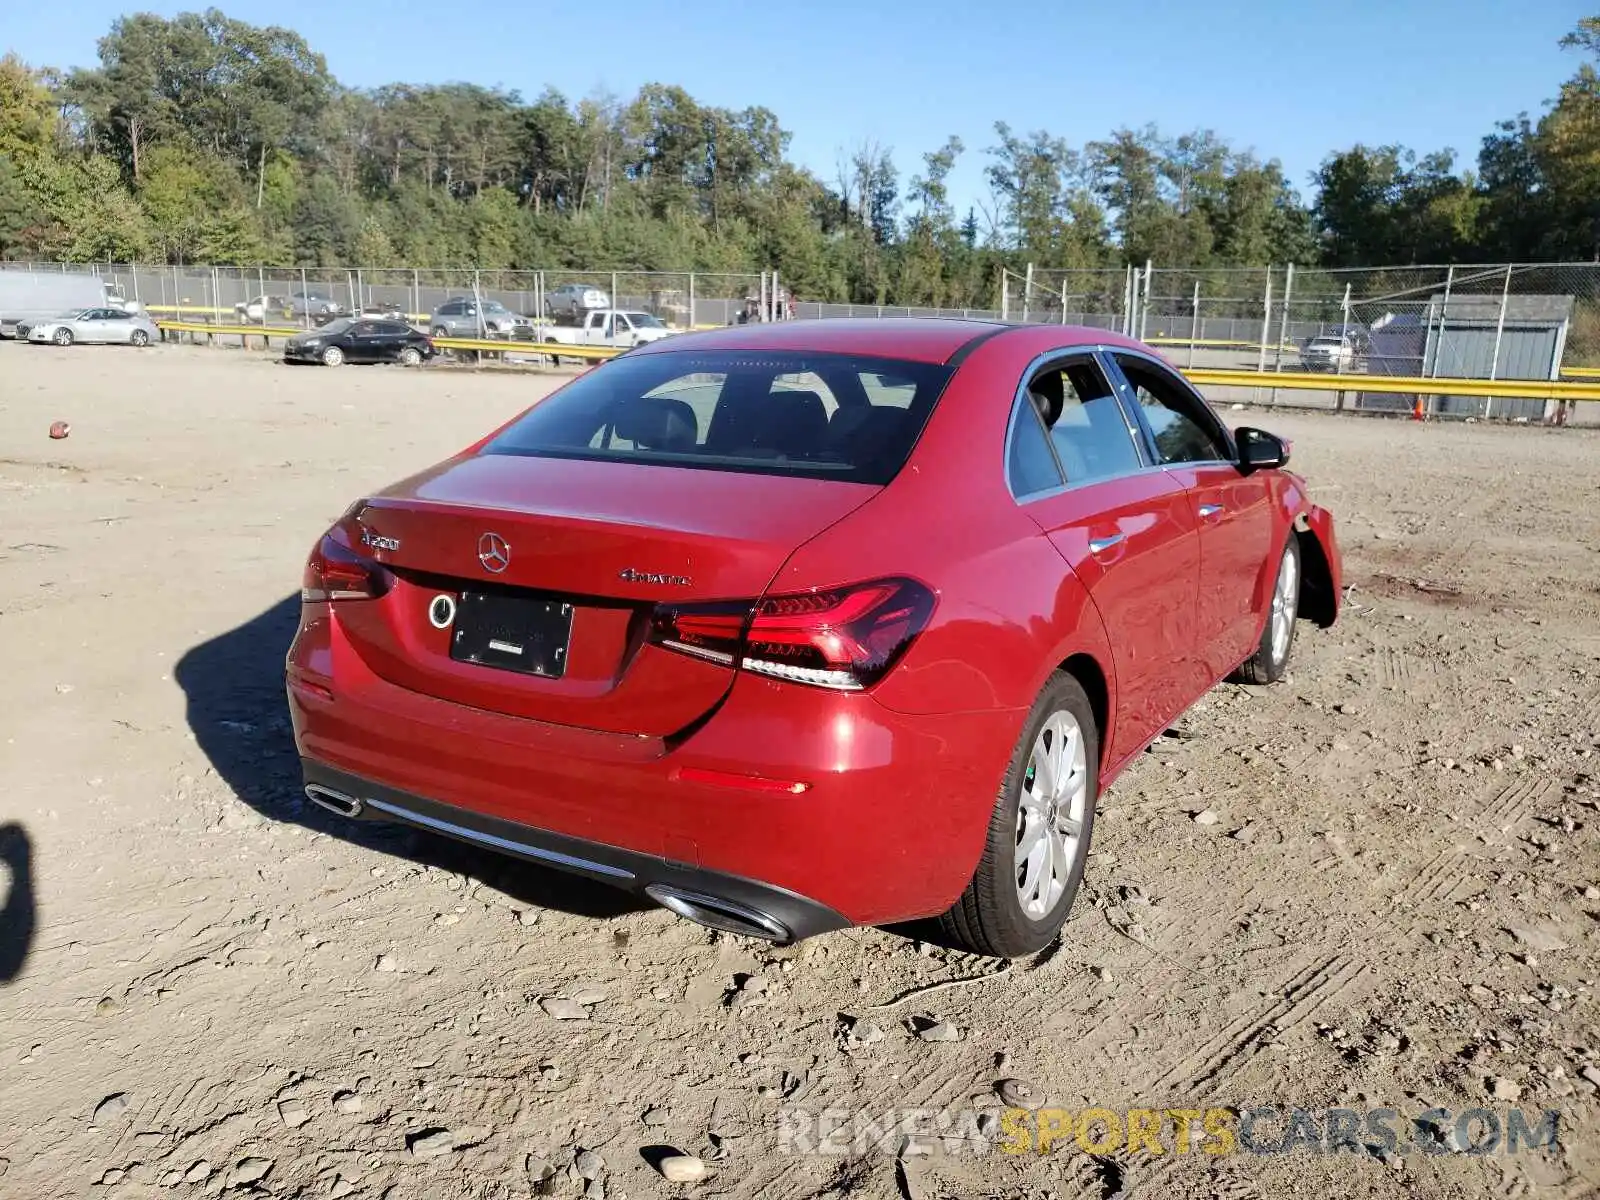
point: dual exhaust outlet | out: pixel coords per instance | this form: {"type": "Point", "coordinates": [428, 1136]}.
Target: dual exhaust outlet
{"type": "Point", "coordinates": [713, 912]}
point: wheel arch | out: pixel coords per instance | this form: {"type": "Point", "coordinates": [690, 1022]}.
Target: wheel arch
{"type": "Point", "coordinates": [1092, 677]}
{"type": "Point", "coordinates": [1319, 599]}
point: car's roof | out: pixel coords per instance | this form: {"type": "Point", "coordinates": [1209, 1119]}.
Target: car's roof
{"type": "Point", "coordinates": [919, 339]}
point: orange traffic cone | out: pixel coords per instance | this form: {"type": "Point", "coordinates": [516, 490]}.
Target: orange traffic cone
{"type": "Point", "coordinates": [1417, 411]}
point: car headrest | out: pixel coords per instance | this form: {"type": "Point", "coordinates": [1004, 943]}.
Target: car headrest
{"type": "Point", "coordinates": [657, 423]}
{"type": "Point", "coordinates": [788, 422]}
{"type": "Point", "coordinates": [794, 422]}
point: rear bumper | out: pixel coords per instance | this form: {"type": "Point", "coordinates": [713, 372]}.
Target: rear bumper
{"type": "Point", "coordinates": [888, 826]}
{"type": "Point", "coordinates": [743, 905]}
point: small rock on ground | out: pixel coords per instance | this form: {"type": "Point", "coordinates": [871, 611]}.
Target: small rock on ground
{"type": "Point", "coordinates": [1538, 939]}
{"type": "Point", "coordinates": [563, 1009]}
{"type": "Point", "coordinates": [682, 1168]}
{"type": "Point", "coordinates": [1018, 1094]}
{"type": "Point", "coordinates": [1502, 1088]}
{"type": "Point", "coordinates": [348, 1103]}
{"type": "Point", "coordinates": [249, 1170]}
{"type": "Point", "coordinates": [430, 1143]}
{"type": "Point", "coordinates": [109, 1109]}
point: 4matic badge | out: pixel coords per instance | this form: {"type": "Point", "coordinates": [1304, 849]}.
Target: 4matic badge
{"type": "Point", "coordinates": [629, 575]}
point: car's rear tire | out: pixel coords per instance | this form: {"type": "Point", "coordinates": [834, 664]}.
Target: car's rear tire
{"type": "Point", "coordinates": [1018, 901]}
{"type": "Point", "coordinates": [139, 338]}
{"type": "Point", "coordinates": [332, 357]}
{"type": "Point", "coordinates": [1271, 659]}
{"type": "Point", "coordinates": [410, 356]}
{"type": "Point", "coordinates": [63, 337]}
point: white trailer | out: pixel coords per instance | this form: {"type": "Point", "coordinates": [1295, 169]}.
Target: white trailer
{"type": "Point", "coordinates": [39, 295]}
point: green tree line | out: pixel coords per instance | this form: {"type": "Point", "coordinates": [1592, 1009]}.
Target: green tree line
{"type": "Point", "coordinates": [206, 139]}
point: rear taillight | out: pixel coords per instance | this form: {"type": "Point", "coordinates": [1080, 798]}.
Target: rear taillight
{"type": "Point", "coordinates": [844, 638]}
{"type": "Point", "coordinates": [336, 572]}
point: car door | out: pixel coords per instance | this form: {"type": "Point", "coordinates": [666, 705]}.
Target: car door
{"type": "Point", "coordinates": [115, 325]}
{"type": "Point", "coordinates": [363, 344]}
{"type": "Point", "coordinates": [91, 326]}
{"type": "Point", "coordinates": [1125, 528]}
{"type": "Point", "coordinates": [391, 338]}
{"type": "Point", "coordinates": [1234, 509]}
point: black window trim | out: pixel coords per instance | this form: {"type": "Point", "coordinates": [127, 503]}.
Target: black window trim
{"type": "Point", "coordinates": [1020, 402]}
{"type": "Point", "coordinates": [1125, 388]}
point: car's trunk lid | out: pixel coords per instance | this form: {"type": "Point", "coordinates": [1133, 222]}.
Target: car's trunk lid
{"type": "Point", "coordinates": [607, 540]}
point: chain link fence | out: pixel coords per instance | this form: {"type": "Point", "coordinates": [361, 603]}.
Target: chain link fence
{"type": "Point", "coordinates": [1487, 321]}
{"type": "Point", "coordinates": [276, 296]}
{"type": "Point", "coordinates": [1471, 321]}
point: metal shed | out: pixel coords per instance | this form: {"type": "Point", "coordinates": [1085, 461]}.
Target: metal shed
{"type": "Point", "coordinates": [1470, 338]}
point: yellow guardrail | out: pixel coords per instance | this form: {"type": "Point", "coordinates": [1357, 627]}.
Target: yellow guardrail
{"type": "Point", "coordinates": [261, 331]}
{"type": "Point", "coordinates": [1313, 381]}
{"type": "Point", "coordinates": [1444, 385]}
{"type": "Point", "coordinates": [512, 346]}
{"type": "Point", "coordinates": [482, 345]}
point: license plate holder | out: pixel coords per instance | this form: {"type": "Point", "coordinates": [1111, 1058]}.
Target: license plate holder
{"type": "Point", "coordinates": [526, 634]}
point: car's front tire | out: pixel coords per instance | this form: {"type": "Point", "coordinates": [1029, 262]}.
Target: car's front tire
{"type": "Point", "coordinates": [332, 357]}
{"type": "Point", "coordinates": [1038, 839]}
{"type": "Point", "coordinates": [1271, 659]}
{"type": "Point", "coordinates": [63, 337]}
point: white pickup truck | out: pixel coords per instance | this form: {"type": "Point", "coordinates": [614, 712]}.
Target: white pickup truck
{"type": "Point", "coordinates": [606, 327]}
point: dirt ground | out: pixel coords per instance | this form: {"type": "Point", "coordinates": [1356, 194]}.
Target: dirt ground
{"type": "Point", "coordinates": [1388, 899]}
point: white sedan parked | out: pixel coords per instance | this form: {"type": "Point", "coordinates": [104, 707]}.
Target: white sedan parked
{"type": "Point", "coordinates": [93, 325]}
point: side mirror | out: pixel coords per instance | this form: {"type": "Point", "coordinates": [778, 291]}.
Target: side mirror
{"type": "Point", "coordinates": [1259, 449]}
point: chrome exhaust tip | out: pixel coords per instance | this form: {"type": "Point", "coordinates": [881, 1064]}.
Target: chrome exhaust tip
{"type": "Point", "coordinates": [716, 913]}
{"type": "Point", "coordinates": [334, 802]}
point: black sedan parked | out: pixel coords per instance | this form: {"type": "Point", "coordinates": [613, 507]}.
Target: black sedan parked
{"type": "Point", "coordinates": [360, 340]}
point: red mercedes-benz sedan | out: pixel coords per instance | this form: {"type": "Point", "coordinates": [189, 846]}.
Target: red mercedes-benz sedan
{"type": "Point", "coordinates": [799, 626]}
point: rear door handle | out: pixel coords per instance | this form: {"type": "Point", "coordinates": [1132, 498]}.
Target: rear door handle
{"type": "Point", "coordinates": [1100, 544]}
{"type": "Point", "coordinates": [1210, 510]}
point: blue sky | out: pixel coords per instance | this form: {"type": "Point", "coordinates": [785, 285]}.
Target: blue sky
{"type": "Point", "coordinates": [1292, 81]}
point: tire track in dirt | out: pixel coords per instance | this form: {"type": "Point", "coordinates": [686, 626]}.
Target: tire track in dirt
{"type": "Point", "coordinates": [1300, 997]}
{"type": "Point", "coordinates": [1513, 804]}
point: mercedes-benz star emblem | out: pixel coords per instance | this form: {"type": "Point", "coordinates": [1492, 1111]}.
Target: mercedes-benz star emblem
{"type": "Point", "coordinates": [493, 553]}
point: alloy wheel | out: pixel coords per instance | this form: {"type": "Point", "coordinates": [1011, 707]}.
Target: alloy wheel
{"type": "Point", "coordinates": [1050, 814]}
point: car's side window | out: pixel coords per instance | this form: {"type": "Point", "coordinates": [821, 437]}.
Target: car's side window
{"type": "Point", "coordinates": [1087, 428]}
{"type": "Point", "coordinates": [1030, 466]}
{"type": "Point", "coordinates": [1184, 430]}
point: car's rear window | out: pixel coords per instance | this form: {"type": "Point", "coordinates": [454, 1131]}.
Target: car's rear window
{"type": "Point", "coordinates": [823, 416]}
